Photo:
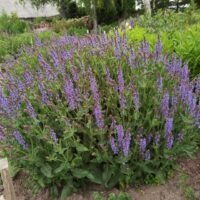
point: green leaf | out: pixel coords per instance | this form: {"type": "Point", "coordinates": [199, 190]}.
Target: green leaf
{"type": "Point", "coordinates": [60, 168]}
{"type": "Point", "coordinates": [46, 171]}
{"type": "Point", "coordinates": [82, 173]}
{"type": "Point", "coordinates": [81, 148]}
{"type": "Point", "coordinates": [66, 191]}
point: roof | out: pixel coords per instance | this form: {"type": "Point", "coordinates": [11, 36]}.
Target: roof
{"type": "Point", "coordinates": [26, 10]}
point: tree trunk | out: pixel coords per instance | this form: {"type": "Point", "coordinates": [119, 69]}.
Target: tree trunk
{"type": "Point", "coordinates": [147, 6]}
{"type": "Point", "coordinates": [94, 17]}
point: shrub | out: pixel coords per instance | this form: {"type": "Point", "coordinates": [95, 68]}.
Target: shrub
{"type": "Point", "coordinates": [93, 109]}
{"type": "Point", "coordinates": [12, 24]}
{"type": "Point", "coordinates": [65, 25]}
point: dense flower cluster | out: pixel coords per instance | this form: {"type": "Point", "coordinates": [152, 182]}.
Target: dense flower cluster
{"type": "Point", "coordinates": [98, 94]}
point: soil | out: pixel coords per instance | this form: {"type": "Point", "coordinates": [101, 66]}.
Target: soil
{"type": "Point", "coordinates": [186, 176]}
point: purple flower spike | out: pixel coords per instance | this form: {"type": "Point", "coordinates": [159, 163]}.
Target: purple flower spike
{"type": "Point", "coordinates": [47, 68]}
{"type": "Point", "coordinates": [43, 93]}
{"type": "Point", "coordinates": [2, 135]}
{"type": "Point", "coordinates": [93, 86]}
{"type": "Point", "coordinates": [38, 42]}
{"type": "Point", "coordinates": [30, 110]}
{"type": "Point", "coordinates": [168, 126]}
{"type": "Point", "coordinates": [20, 139]}
{"type": "Point", "coordinates": [185, 73]}
{"type": "Point", "coordinates": [136, 100]}
{"type": "Point", "coordinates": [75, 74]}
{"type": "Point", "coordinates": [55, 58]}
{"type": "Point", "coordinates": [174, 102]}
{"type": "Point", "coordinates": [28, 77]}
{"type": "Point", "coordinates": [165, 105]}
{"type": "Point", "coordinates": [113, 125]}
{"type": "Point", "coordinates": [98, 116]}
{"type": "Point", "coordinates": [113, 146]}
{"type": "Point", "coordinates": [157, 139]}
{"type": "Point", "coordinates": [53, 136]}
{"type": "Point", "coordinates": [120, 133]}
{"type": "Point", "coordinates": [142, 145]}
{"type": "Point", "coordinates": [124, 43]}
{"type": "Point", "coordinates": [126, 144]}
{"type": "Point", "coordinates": [169, 141]}
{"type": "Point", "coordinates": [160, 83]}
{"type": "Point", "coordinates": [132, 58]}
{"type": "Point", "coordinates": [147, 155]}
{"type": "Point", "coordinates": [117, 46]}
{"type": "Point", "coordinates": [70, 94]}
{"type": "Point", "coordinates": [122, 99]}
{"type": "Point", "coordinates": [158, 50]}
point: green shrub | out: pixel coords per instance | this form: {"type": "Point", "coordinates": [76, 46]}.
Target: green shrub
{"type": "Point", "coordinates": [12, 24]}
{"type": "Point", "coordinates": [112, 196]}
{"type": "Point", "coordinates": [64, 25]}
{"type": "Point", "coordinates": [91, 109]}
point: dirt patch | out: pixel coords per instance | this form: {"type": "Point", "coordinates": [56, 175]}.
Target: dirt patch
{"type": "Point", "coordinates": [173, 189]}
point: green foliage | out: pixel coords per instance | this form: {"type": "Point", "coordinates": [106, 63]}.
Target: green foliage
{"type": "Point", "coordinates": [12, 24]}
{"type": "Point", "coordinates": [112, 196]}
{"type": "Point", "coordinates": [69, 25]}
{"type": "Point", "coordinates": [183, 41]}
{"type": "Point", "coordinates": [79, 151]}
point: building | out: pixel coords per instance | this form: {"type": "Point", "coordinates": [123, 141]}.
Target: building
{"type": "Point", "coordinates": [26, 10]}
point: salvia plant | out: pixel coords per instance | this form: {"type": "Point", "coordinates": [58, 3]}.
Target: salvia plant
{"type": "Point", "coordinates": [94, 109]}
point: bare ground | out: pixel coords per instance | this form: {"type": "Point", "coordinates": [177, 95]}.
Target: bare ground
{"type": "Point", "coordinates": [185, 185]}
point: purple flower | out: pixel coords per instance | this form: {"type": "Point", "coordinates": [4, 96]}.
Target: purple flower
{"type": "Point", "coordinates": [47, 68]}
{"type": "Point", "coordinates": [70, 94]}
{"type": "Point", "coordinates": [121, 88]}
{"type": "Point", "coordinates": [117, 46]}
{"type": "Point", "coordinates": [4, 103]}
{"type": "Point", "coordinates": [124, 43]}
{"type": "Point", "coordinates": [20, 86]}
{"type": "Point", "coordinates": [185, 73]}
{"type": "Point", "coordinates": [169, 140]}
{"type": "Point", "coordinates": [174, 102]}
{"type": "Point", "coordinates": [158, 51]}
{"type": "Point", "coordinates": [197, 116]}
{"type": "Point", "coordinates": [28, 77]}
{"type": "Point", "coordinates": [157, 139]}
{"type": "Point", "coordinates": [75, 74]}
{"type": "Point", "coordinates": [136, 100]}
{"type": "Point", "coordinates": [113, 146]}
{"type": "Point", "coordinates": [38, 42]}
{"type": "Point", "coordinates": [120, 133]}
{"type": "Point", "coordinates": [53, 136]}
{"type": "Point", "coordinates": [20, 139]}
{"type": "Point", "coordinates": [173, 65]}
{"type": "Point", "coordinates": [160, 83]}
{"type": "Point", "coordinates": [113, 125]}
{"type": "Point", "coordinates": [126, 143]}
{"type": "Point", "coordinates": [149, 138]}
{"type": "Point", "coordinates": [132, 58]}
{"type": "Point", "coordinates": [132, 23]}
{"type": "Point", "coordinates": [93, 86]}
{"type": "Point", "coordinates": [165, 105]}
{"type": "Point", "coordinates": [2, 135]}
{"type": "Point", "coordinates": [43, 93]}
{"type": "Point", "coordinates": [98, 116]}
{"type": "Point", "coordinates": [142, 145]}
{"type": "Point", "coordinates": [168, 126]}
{"type": "Point", "coordinates": [147, 155]}
{"type": "Point", "coordinates": [55, 57]}
{"type": "Point", "coordinates": [31, 110]}
{"type": "Point", "coordinates": [178, 67]}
